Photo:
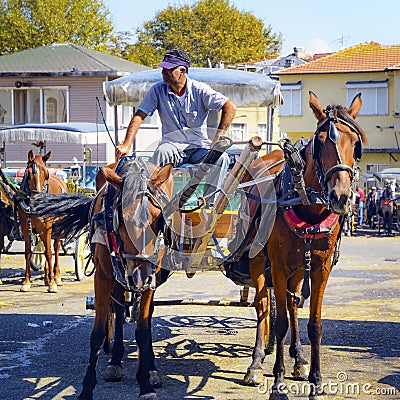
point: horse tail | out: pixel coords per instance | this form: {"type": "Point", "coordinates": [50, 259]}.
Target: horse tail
{"type": "Point", "coordinates": [69, 213]}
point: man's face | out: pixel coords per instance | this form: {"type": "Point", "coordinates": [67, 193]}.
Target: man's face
{"type": "Point", "coordinates": [173, 76]}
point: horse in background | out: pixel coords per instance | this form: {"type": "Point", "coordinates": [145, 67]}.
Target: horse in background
{"type": "Point", "coordinates": [36, 180]}
{"type": "Point", "coordinates": [303, 242]}
{"type": "Point", "coordinates": [386, 208]}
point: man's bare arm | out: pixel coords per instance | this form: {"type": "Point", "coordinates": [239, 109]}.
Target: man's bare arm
{"type": "Point", "coordinates": [228, 113]}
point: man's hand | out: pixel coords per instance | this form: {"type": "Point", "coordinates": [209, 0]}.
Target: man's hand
{"type": "Point", "coordinates": [122, 150]}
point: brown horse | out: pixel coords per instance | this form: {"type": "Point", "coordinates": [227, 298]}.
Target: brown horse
{"type": "Point", "coordinates": [303, 240]}
{"type": "Point", "coordinates": [133, 270]}
{"type": "Point", "coordinates": [37, 179]}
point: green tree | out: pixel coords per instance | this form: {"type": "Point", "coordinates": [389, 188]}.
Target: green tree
{"type": "Point", "coordinates": [209, 31]}
{"type": "Point", "coordinates": [27, 24]}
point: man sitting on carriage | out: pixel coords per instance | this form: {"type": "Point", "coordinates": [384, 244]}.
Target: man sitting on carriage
{"type": "Point", "coordinates": [183, 105]}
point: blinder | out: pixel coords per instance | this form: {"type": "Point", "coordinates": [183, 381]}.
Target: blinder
{"type": "Point", "coordinates": [334, 135]}
{"type": "Point", "coordinates": [34, 168]}
{"type": "Point", "coordinates": [24, 186]}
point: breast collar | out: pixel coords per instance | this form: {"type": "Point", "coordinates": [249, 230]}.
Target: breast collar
{"type": "Point", "coordinates": [305, 230]}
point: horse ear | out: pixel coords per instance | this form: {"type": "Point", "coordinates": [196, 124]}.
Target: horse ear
{"type": "Point", "coordinates": [111, 177]}
{"type": "Point", "coordinates": [30, 156]}
{"type": "Point", "coordinates": [316, 107]}
{"type": "Point", "coordinates": [161, 175]}
{"type": "Point", "coordinates": [46, 157]}
{"type": "Point", "coordinates": [355, 106]}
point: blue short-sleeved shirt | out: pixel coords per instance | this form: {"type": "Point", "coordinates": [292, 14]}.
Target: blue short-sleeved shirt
{"type": "Point", "coordinates": [184, 120]}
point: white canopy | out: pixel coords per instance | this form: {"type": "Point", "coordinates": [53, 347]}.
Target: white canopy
{"type": "Point", "coordinates": [245, 89]}
{"type": "Point", "coordinates": [78, 132]}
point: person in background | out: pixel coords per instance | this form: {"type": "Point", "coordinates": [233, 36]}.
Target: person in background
{"type": "Point", "coordinates": [183, 105]}
{"type": "Point", "coordinates": [371, 205]}
{"type": "Point", "coordinates": [361, 197]}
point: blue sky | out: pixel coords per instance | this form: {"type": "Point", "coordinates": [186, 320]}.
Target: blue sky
{"type": "Point", "coordinates": [316, 26]}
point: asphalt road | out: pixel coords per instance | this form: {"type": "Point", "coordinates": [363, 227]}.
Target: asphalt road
{"type": "Point", "coordinates": [204, 351]}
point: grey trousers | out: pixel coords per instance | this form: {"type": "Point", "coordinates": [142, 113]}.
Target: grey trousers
{"type": "Point", "coordinates": [168, 153]}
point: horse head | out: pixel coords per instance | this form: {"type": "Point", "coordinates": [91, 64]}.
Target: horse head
{"type": "Point", "coordinates": [142, 192]}
{"type": "Point", "coordinates": [333, 152]}
{"type": "Point", "coordinates": [36, 173]}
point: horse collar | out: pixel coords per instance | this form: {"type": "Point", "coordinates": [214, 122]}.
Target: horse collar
{"type": "Point", "coordinates": [305, 230]}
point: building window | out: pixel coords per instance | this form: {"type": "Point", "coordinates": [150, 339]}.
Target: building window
{"type": "Point", "coordinates": [51, 110]}
{"type": "Point", "coordinates": [6, 107]}
{"type": "Point", "coordinates": [374, 94]}
{"type": "Point", "coordinates": [263, 131]}
{"type": "Point", "coordinates": [238, 131]}
{"type": "Point", "coordinates": [291, 100]}
{"type": "Point", "coordinates": [126, 115]}
{"type": "Point", "coordinates": [24, 106]}
{"type": "Point", "coordinates": [371, 168]}
{"type": "Point", "coordinates": [55, 105]}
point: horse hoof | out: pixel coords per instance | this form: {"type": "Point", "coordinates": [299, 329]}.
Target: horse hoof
{"type": "Point", "coordinates": [114, 373]}
{"type": "Point", "coordinates": [148, 396]}
{"type": "Point", "coordinates": [25, 287]}
{"type": "Point", "coordinates": [254, 377]}
{"type": "Point", "coordinates": [155, 379]}
{"type": "Point", "coordinates": [58, 281]}
{"type": "Point", "coordinates": [300, 372]}
{"type": "Point", "coordinates": [277, 395]}
{"type": "Point", "coordinates": [52, 288]}
{"type": "Point", "coordinates": [84, 396]}
{"type": "Point", "coordinates": [190, 274]}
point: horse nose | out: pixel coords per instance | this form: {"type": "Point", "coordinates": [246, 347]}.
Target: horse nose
{"type": "Point", "coordinates": [339, 203]}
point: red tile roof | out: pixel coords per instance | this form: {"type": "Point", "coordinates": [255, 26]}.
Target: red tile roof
{"type": "Point", "coordinates": [365, 57]}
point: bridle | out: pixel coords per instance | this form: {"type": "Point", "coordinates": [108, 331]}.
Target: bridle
{"type": "Point", "coordinates": [333, 135]}
{"type": "Point", "coordinates": [35, 171]}
{"type": "Point", "coordinates": [140, 218]}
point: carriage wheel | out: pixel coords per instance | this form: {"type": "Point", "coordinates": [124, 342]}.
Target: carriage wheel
{"type": "Point", "coordinates": [38, 259]}
{"type": "Point", "coordinates": [108, 341]}
{"type": "Point", "coordinates": [82, 254]}
{"type": "Point", "coordinates": [270, 323]}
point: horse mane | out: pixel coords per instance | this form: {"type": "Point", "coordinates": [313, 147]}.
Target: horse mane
{"type": "Point", "coordinates": [343, 113]}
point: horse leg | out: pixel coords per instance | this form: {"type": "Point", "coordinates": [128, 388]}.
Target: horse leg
{"type": "Point", "coordinates": [389, 222]}
{"type": "Point", "coordinates": [2, 234]}
{"type": "Point", "coordinates": [147, 374]}
{"type": "Point", "coordinates": [300, 369]}
{"type": "Point", "coordinates": [319, 279]}
{"type": "Point", "coordinates": [255, 373]}
{"type": "Point", "coordinates": [57, 270]}
{"type": "Point", "coordinates": [114, 371]}
{"type": "Point", "coordinates": [281, 328]}
{"type": "Point", "coordinates": [26, 284]}
{"type": "Point", "coordinates": [48, 269]}
{"type": "Point", "coordinates": [103, 286]}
